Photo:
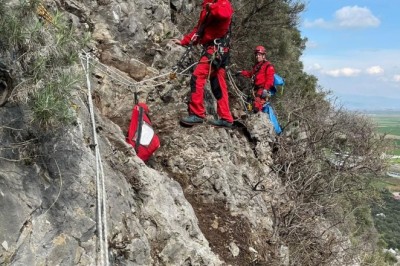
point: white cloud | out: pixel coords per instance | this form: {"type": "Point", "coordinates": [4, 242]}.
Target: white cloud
{"type": "Point", "coordinates": [356, 17]}
{"type": "Point", "coordinates": [396, 78]}
{"type": "Point", "coordinates": [319, 23]}
{"type": "Point", "coordinates": [347, 17]}
{"type": "Point", "coordinates": [361, 59]}
{"type": "Point", "coordinates": [375, 70]}
{"type": "Point", "coordinates": [342, 72]}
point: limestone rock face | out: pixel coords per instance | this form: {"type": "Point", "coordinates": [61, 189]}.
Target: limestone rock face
{"type": "Point", "coordinates": [203, 199]}
{"type": "Point", "coordinates": [49, 204]}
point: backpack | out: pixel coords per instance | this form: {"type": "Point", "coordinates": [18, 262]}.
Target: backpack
{"type": "Point", "coordinates": [278, 81]}
{"type": "Point", "coordinates": [141, 129]}
{"type": "Point", "coordinates": [267, 108]}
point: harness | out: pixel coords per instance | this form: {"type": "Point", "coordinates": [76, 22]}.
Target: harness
{"type": "Point", "coordinates": [256, 70]}
{"type": "Point", "coordinates": [219, 58]}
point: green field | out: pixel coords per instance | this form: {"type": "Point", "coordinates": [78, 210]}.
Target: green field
{"type": "Point", "coordinates": [390, 124]}
{"type": "Point", "coordinates": [390, 183]}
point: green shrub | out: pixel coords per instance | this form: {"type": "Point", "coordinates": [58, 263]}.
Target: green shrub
{"type": "Point", "coordinates": [51, 106]}
{"type": "Point", "coordinates": [44, 52]}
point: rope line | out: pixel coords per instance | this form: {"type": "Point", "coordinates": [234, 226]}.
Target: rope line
{"type": "Point", "coordinates": [241, 95]}
{"type": "Point", "coordinates": [100, 186]}
{"type": "Point", "coordinates": [114, 75]}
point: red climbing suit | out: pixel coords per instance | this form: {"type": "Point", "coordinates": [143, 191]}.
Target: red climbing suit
{"type": "Point", "coordinates": [149, 141]}
{"type": "Point", "coordinates": [263, 78]}
{"type": "Point", "coordinates": [214, 25]}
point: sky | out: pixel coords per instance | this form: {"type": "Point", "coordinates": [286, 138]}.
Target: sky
{"type": "Point", "coordinates": [353, 48]}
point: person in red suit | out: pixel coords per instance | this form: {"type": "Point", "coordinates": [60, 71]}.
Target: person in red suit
{"type": "Point", "coordinates": [262, 76]}
{"type": "Point", "coordinates": [141, 129]}
{"type": "Point", "coordinates": [211, 32]}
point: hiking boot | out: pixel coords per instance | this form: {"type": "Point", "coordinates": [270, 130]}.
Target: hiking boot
{"type": "Point", "coordinates": [221, 123]}
{"type": "Point", "coordinates": [191, 120]}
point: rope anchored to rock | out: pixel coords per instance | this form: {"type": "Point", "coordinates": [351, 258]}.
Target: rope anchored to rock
{"type": "Point", "coordinates": [100, 183]}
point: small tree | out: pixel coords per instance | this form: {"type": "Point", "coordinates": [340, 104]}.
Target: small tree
{"type": "Point", "coordinates": [326, 158]}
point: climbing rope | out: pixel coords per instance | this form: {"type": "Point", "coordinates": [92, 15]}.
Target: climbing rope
{"type": "Point", "coordinates": [240, 95]}
{"type": "Point", "coordinates": [119, 78]}
{"type": "Point", "coordinates": [100, 186]}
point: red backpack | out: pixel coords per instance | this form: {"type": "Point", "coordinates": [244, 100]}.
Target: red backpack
{"type": "Point", "coordinates": [140, 128]}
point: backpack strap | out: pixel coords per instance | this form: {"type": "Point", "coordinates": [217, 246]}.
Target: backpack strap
{"type": "Point", "coordinates": [266, 68]}
{"type": "Point", "coordinates": [135, 94]}
{"type": "Point", "coordinates": [259, 68]}
{"type": "Point", "coordinates": [139, 129]}
{"type": "Point", "coordinates": [200, 29]}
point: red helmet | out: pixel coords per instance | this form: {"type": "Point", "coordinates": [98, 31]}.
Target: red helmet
{"type": "Point", "coordinates": [260, 50]}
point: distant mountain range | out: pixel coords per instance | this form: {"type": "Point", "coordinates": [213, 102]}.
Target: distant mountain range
{"type": "Point", "coordinates": [369, 103]}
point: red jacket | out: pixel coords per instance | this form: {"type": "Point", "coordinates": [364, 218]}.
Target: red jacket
{"type": "Point", "coordinates": [216, 23]}
{"type": "Point", "coordinates": [263, 73]}
{"type": "Point", "coordinates": [149, 140]}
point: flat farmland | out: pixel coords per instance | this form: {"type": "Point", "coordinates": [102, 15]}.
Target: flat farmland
{"type": "Point", "coordinates": [389, 123]}
{"type": "Point", "coordinates": [392, 184]}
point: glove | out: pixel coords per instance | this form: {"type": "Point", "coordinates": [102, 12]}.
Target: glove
{"type": "Point", "coordinates": [265, 93]}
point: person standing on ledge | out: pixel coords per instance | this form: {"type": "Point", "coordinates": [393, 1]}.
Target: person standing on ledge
{"type": "Point", "coordinates": [212, 32]}
{"type": "Point", "coordinates": [262, 76]}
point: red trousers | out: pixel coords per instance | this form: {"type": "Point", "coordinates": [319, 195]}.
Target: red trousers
{"type": "Point", "coordinates": [218, 88]}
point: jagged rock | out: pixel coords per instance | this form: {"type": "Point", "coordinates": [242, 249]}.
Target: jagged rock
{"type": "Point", "coordinates": [133, 68]}
{"type": "Point", "coordinates": [234, 249]}
{"type": "Point", "coordinates": [284, 253]}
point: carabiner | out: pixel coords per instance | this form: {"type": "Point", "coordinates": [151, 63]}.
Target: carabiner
{"type": "Point", "coordinates": [217, 42]}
